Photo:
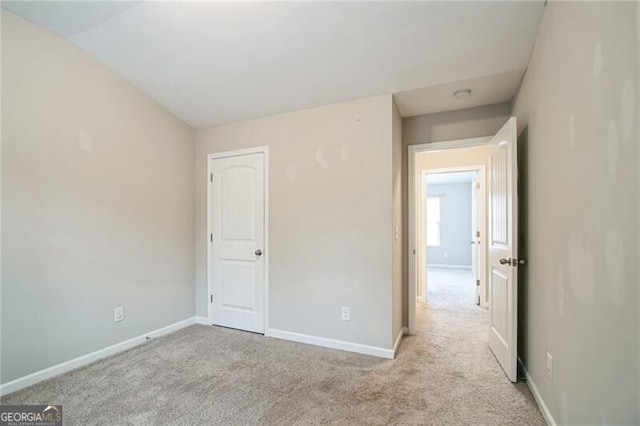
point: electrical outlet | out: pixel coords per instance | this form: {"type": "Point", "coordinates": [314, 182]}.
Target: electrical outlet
{"type": "Point", "coordinates": [118, 314]}
{"type": "Point", "coordinates": [345, 313]}
{"type": "Point", "coordinates": [549, 365]}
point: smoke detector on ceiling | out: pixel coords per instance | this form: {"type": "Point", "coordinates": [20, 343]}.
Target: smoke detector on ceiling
{"type": "Point", "coordinates": [462, 93]}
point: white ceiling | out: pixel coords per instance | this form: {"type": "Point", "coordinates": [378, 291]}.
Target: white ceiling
{"type": "Point", "coordinates": [213, 63]}
{"type": "Point", "coordinates": [453, 177]}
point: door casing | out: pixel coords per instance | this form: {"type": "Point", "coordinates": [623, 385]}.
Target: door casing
{"type": "Point", "coordinates": [237, 153]}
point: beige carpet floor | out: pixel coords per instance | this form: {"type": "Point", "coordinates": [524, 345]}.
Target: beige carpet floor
{"type": "Point", "coordinates": [445, 375]}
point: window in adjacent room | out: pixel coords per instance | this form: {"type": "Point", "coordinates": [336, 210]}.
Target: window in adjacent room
{"type": "Point", "coordinates": [433, 221]}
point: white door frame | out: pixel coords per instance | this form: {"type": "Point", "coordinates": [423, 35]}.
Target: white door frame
{"type": "Point", "coordinates": [413, 237]}
{"type": "Point", "coordinates": [237, 153]}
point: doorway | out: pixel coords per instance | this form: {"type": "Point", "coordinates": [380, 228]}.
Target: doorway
{"type": "Point", "coordinates": [454, 225]}
{"type": "Point", "coordinates": [500, 156]}
{"type": "Point", "coordinates": [237, 250]}
{"type": "Point", "coordinates": [451, 156]}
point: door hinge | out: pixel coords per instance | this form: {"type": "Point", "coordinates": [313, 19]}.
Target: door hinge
{"type": "Point", "coordinates": [478, 234]}
{"type": "Point", "coordinates": [210, 237]}
{"type": "Point", "coordinates": [212, 298]}
{"type": "Point", "coordinates": [210, 177]}
{"type": "Point", "coordinates": [478, 283]}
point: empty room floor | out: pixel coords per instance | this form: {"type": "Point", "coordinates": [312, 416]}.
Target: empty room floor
{"type": "Point", "coordinates": [445, 375]}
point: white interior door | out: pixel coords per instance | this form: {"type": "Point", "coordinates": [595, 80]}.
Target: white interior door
{"type": "Point", "coordinates": [502, 246]}
{"type": "Point", "coordinates": [237, 274]}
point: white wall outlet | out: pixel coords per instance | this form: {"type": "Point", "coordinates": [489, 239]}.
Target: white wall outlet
{"type": "Point", "coordinates": [118, 314]}
{"type": "Point", "coordinates": [345, 313]}
{"type": "Point", "coordinates": [549, 365]}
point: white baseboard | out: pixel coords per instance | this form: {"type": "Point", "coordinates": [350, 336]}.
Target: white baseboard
{"type": "Point", "coordinates": [396, 345]}
{"type": "Point", "coordinates": [81, 361]}
{"type": "Point", "coordinates": [330, 343]}
{"type": "Point", "coordinates": [536, 395]}
{"type": "Point", "coordinates": [443, 266]}
{"type": "Point", "coordinates": [202, 320]}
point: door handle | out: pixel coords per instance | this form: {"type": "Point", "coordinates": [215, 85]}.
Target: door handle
{"type": "Point", "coordinates": [258, 252]}
{"type": "Point", "coordinates": [513, 262]}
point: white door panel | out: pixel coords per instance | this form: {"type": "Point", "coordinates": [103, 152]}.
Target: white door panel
{"type": "Point", "coordinates": [503, 231]}
{"type": "Point", "coordinates": [237, 239]}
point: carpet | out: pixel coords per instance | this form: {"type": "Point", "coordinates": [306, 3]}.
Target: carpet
{"type": "Point", "coordinates": [444, 375]}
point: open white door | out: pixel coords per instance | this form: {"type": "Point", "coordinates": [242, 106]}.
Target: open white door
{"type": "Point", "coordinates": [503, 246]}
{"type": "Point", "coordinates": [237, 226]}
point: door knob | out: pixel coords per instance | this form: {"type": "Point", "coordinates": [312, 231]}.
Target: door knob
{"type": "Point", "coordinates": [513, 262]}
{"type": "Point", "coordinates": [258, 252]}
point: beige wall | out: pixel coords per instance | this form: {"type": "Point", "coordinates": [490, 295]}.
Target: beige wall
{"type": "Point", "coordinates": [577, 104]}
{"type": "Point", "coordinates": [453, 125]}
{"type": "Point", "coordinates": [97, 188]}
{"type": "Point", "coordinates": [445, 126]}
{"type": "Point", "coordinates": [330, 199]}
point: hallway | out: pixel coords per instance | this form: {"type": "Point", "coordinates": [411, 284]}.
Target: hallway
{"type": "Point", "coordinates": [456, 362]}
{"type": "Point", "coordinates": [453, 290]}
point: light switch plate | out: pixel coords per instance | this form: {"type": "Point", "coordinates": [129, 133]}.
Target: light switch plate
{"type": "Point", "coordinates": [118, 314]}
